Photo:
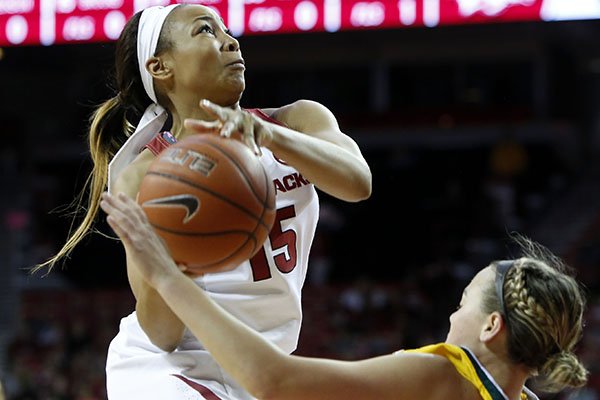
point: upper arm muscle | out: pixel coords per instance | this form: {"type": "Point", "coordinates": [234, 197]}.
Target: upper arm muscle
{"type": "Point", "coordinates": [314, 119]}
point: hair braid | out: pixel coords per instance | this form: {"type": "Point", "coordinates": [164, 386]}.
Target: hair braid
{"type": "Point", "coordinates": [520, 302]}
{"type": "Point", "coordinates": [544, 313]}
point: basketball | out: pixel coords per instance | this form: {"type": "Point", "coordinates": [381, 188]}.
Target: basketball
{"type": "Point", "coordinates": [211, 200]}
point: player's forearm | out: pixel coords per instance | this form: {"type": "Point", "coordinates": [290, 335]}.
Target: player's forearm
{"type": "Point", "coordinates": [252, 361]}
{"type": "Point", "coordinates": [159, 322]}
{"type": "Point", "coordinates": [333, 169]}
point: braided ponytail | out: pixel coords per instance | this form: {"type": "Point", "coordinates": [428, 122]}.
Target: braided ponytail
{"type": "Point", "coordinates": [563, 370]}
{"type": "Point", "coordinates": [544, 307]}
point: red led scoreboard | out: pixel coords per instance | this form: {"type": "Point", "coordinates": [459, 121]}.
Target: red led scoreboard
{"type": "Point", "coordinates": [47, 22]}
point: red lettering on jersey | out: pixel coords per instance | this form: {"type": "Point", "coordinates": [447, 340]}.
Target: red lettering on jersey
{"type": "Point", "coordinates": [289, 182]}
{"type": "Point", "coordinates": [300, 180]}
{"type": "Point", "coordinates": [278, 186]}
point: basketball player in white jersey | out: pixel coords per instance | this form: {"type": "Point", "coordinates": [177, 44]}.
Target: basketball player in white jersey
{"type": "Point", "coordinates": [168, 60]}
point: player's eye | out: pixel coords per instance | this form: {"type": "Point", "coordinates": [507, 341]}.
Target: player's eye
{"type": "Point", "coordinates": [206, 28]}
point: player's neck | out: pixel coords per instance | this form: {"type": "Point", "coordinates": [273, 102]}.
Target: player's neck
{"type": "Point", "coordinates": [509, 377]}
{"type": "Point", "coordinates": [178, 130]}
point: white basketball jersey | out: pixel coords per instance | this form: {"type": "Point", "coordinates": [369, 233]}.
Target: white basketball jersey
{"type": "Point", "coordinates": [264, 293]}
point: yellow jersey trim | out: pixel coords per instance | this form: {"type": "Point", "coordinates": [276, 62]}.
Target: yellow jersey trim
{"type": "Point", "coordinates": [470, 368]}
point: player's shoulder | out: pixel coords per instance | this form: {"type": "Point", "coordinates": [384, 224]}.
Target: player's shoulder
{"type": "Point", "coordinates": [301, 106]}
{"type": "Point", "coordinates": [447, 366]}
{"type": "Point", "coordinates": [447, 378]}
{"type": "Point", "coordinates": [130, 179]}
{"type": "Point", "coordinates": [302, 112]}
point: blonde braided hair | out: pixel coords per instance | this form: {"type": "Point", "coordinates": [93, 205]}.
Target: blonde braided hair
{"type": "Point", "coordinates": [544, 316]}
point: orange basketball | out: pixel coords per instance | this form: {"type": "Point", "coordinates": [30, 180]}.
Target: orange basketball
{"type": "Point", "coordinates": [211, 200]}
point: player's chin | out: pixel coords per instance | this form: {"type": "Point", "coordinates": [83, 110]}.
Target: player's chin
{"type": "Point", "coordinates": [236, 80]}
{"type": "Point", "coordinates": [233, 88]}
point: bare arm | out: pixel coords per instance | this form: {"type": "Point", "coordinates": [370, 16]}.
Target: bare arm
{"type": "Point", "coordinates": [269, 373]}
{"type": "Point", "coordinates": [317, 148]}
{"type": "Point", "coordinates": [162, 326]}
{"type": "Point", "coordinates": [312, 143]}
{"type": "Point", "coordinates": [263, 369]}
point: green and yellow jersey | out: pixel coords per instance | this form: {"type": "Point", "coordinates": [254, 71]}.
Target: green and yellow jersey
{"type": "Point", "coordinates": [468, 366]}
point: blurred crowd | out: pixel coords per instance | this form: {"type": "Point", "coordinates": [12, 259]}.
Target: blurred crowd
{"type": "Point", "coordinates": [59, 350]}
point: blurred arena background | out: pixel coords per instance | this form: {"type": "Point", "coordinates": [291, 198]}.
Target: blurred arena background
{"type": "Point", "coordinates": [478, 119]}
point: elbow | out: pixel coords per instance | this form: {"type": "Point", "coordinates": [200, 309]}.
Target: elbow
{"type": "Point", "coordinates": [271, 383]}
{"type": "Point", "coordinates": [265, 393]}
{"type": "Point", "coordinates": [166, 341]}
{"type": "Point", "coordinates": [163, 339]}
{"type": "Point", "coordinates": [165, 346]}
{"type": "Point", "coordinates": [362, 189]}
{"type": "Point", "coordinates": [365, 190]}
{"type": "Point", "coordinates": [356, 193]}
{"type": "Point", "coordinates": [269, 390]}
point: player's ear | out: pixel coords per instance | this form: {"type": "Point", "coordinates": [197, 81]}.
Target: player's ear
{"type": "Point", "coordinates": [159, 67]}
{"type": "Point", "coordinates": [491, 327]}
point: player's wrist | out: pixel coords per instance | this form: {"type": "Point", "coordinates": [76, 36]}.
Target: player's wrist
{"type": "Point", "coordinates": [166, 280]}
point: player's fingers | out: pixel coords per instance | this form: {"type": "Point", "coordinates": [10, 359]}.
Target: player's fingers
{"type": "Point", "coordinates": [248, 134]}
{"type": "Point", "coordinates": [120, 213]}
{"type": "Point", "coordinates": [133, 223]}
{"type": "Point", "coordinates": [120, 223]}
{"type": "Point", "coordinates": [106, 203]}
{"type": "Point", "coordinates": [125, 221]}
{"type": "Point", "coordinates": [249, 140]}
{"type": "Point", "coordinates": [130, 208]}
{"type": "Point", "coordinates": [115, 207]}
{"type": "Point", "coordinates": [261, 135]}
{"type": "Point", "coordinates": [227, 129]}
{"type": "Point", "coordinates": [136, 210]}
{"type": "Point", "coordinates": [214, 109]}
{"type": "Point", "coordinates": [118, 229]}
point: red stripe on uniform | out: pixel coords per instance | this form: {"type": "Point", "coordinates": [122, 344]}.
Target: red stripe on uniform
{"type": "Point", "coordinates": [157, 144]}
{"type": "Point", "coordinates": [203, 390]}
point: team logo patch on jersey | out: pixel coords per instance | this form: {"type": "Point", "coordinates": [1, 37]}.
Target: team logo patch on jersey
{"type": "Point", "coordinates": [169, 137]}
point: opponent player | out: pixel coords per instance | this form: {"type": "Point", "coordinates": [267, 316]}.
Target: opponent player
{"type": "Point", "coordinates": [168, 60]}
{"type": "Point", "coordinates": [516, 319]}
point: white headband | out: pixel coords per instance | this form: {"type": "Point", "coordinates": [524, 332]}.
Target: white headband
{"type": "Point", "coordinates": [151, 23]}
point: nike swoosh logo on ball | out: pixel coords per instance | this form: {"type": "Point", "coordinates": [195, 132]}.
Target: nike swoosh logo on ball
{"type": "Point", "coordinates": [187, 201]}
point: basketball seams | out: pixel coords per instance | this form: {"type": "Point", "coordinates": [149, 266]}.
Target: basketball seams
{"type": "Point", "coordinates": [215, 233]}
{"type": "Point", "coordinates": [250, 236]}
{"type": "Point", "coordinates": [245, 175]}
{"type": "Point", "coordinates": [207, 190]}
{"type": "Point", "coordinates": [241, 170]}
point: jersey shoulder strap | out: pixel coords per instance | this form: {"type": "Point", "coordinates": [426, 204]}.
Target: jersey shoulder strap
{"type": "Point", "coordinates": [159, 142]}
